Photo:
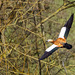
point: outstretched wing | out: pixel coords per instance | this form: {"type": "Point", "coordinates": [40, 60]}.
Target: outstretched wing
{"type": "Point", "coordinates": [49, 51]}
{"type": "Point", "coordinates": [65, 30]}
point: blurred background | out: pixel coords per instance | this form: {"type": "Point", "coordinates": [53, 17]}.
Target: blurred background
{"type": "Point", "coordinates": [25, 25]}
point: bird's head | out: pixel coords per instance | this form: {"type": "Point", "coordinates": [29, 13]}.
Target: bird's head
{"type": "Point", "coordinates": [50, 40]}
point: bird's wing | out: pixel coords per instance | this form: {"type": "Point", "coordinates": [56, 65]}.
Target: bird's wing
{"type": "Point", "coordinates": [49, 51]}
{"type": "Point", "coordinates": [65, 30]}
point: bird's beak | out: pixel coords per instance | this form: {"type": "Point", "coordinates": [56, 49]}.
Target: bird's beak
{"type": "Point", "coordinates": [47, 41]}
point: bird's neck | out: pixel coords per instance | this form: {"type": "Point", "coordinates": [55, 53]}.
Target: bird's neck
{"type": "Point", "coordinates": [52, 41]}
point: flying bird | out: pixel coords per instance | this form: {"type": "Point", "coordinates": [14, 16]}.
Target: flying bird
{"type": "Point", "coordinates": [61, 40]}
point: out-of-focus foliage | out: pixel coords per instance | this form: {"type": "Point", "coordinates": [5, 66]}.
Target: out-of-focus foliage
{"type": "Point", "coordinates": [25, 25]}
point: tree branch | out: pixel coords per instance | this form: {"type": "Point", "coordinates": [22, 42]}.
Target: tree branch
{"type": "Point", "coordinates": [63, 7]}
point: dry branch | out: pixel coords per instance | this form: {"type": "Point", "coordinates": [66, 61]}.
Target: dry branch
{"type": "Point", "coordinates": [63, 7]}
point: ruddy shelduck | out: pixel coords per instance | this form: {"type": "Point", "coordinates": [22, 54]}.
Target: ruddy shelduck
{"type": "Point", "coordinates": [61, 40]}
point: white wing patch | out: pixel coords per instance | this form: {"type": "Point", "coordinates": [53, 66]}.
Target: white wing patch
{"type": "Point", "coordinates": [51, 48]}
{"type": "Point", "coordinates": [62, 32]}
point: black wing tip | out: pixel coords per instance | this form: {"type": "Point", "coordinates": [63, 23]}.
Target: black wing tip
{"type": "Point", "coordinates": [40, 59]}
{"type": "Point", "coordinates": [72, 14]}
{"type": "Point", "coordinates": [45, 55]}
{"type": "Point", "coordinates": [69, 22]}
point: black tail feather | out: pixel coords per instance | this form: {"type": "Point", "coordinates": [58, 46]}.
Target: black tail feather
{"type": "Point", "coordinates": [69, 22]}
{"type": "Point", "coordinates": [68, 46]}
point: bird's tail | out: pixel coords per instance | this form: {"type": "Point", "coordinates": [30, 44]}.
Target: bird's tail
{"type": "Point", "coordinates": [68, 46]}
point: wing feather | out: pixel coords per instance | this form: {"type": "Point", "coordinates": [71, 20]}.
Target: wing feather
{"type": "Point", "coordinates": [49, 51]}
{"type": "Point", "coordinates": [65, 30]}
{"type": "Point", "coordinates": [62, 32]}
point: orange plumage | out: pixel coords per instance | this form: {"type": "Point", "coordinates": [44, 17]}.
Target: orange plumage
{"type": "Point", "coordinates": [59, 42]}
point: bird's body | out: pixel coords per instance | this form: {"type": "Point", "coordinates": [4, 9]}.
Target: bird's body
{"type": "Point", "coordinates": [60, 42]}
